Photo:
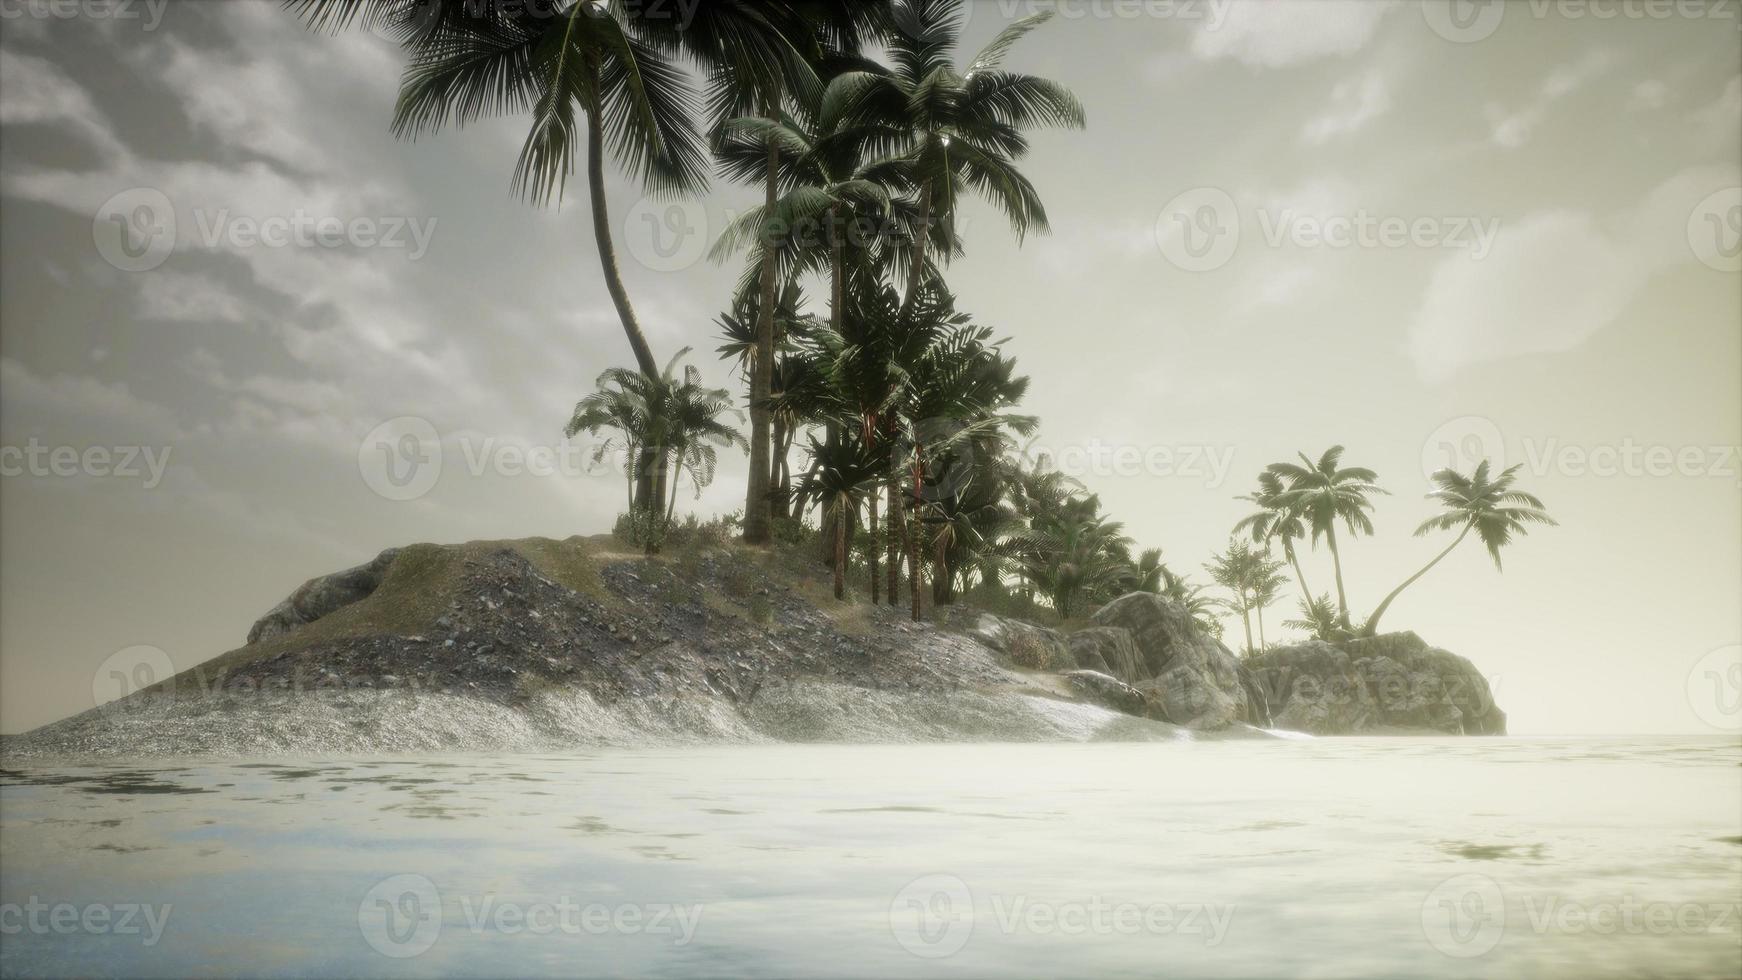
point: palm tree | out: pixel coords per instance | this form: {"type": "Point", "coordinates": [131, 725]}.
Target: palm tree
{"type": "Point", "coordinates": [693, 429]}
{"type": "Point", "coordinates": [581, 71]}
{"type": "Point", "coordinates": [1275, 520]}
{"type": "Point", "coordinates": [620, 409]}
{"type": "Point", "coordinates": [756, 54]}
{"type": "Point", "coordinates": [1230, 569]}
{"type": "Point", "coordinates": [1325, 492]}
{"type": "Point", "coordinates": [1264, 585]}
{"type": "Point", "coordinates": [959, 128]}
{"type": "Point", "coordinates": [1318, 619]}
{"type": "Point", "coordinates": [1488, 506]}
{"type": "Point", "coordinates": [840, 476]}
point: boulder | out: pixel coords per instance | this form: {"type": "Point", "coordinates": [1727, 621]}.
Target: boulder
{"type": "Point", "coordinates": [1106, 691]}
{"type": "Point", "coordinates": [319, 596]}
{"type": "Point", "coordinates": [1108, 649]}
{"type": "Point", "coordinates": [1313, 687]}
{"type": "Point", "coordinates": [1195, 677]}
{"type": "Point", "coordinates": [1418, 686]}
{"type": "Point", "coordinates": [1394, 681]}
{"type": "Point", "coordinates": [1023, 644]}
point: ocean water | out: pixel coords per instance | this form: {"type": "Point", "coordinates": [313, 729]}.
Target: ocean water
{"type": "Point", "coordinates": [1334, 857]}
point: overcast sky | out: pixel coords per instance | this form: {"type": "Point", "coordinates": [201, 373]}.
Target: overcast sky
{"type": "Point", "coordinates": [1286, 226]}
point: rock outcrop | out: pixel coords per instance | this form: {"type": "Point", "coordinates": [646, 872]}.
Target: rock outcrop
{"type": "Point", "coordinates": [1394, 682]}
{"type": "Point", "coordinates": [321, 596]}
{"type": "Point", "coordinates": [1193, 679]}
{"type": "Point", "coordinates": [1023, 644]}
{"type": "Point", "coordinates": [1108, 649]}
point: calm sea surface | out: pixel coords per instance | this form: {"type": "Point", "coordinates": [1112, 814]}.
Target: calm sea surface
{"type": "Point", "coordinates": [1337, 857]}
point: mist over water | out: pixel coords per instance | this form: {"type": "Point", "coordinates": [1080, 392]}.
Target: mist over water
{"type": "Point", "coordinates": [1380, 857]}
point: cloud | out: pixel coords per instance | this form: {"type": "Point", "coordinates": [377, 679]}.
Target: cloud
{"type": "Point", "coordinates": [1720, 122]}
{"type": "Point", "coordinates": [34, 91]}
{"type": "Point", "coordinates": [1555, 278]}
{"type": "Point", "coordinates": [1282, 35]}
{"type": "Point", "coordinates": [1355, 102]}
{"type": "Point", "coordinates": [1513, 128]}
{"type": "Point", "coordinates": [182, 297]}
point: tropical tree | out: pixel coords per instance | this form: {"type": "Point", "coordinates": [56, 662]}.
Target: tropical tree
{"type": "Point", "coordinates": [692, 427]}
{"type": "Point", "coordinates": [1480, 502]}
{"type": "Point", "coordinates": [841, 475]}
{"type": "Point", "coordinates": [1264, 584]}
{"type": "Point", "coordinates": [757, 55]}
{"type": "Point", "coordinates": [1276, 521]}
{"type": "Point", "coordinates": [580, 70]}
{"type": "Point", "coordinates": [668, 421]}
{"type": "Point", "coordinates": [1324, 492]}
{"type": "Point", "coordinates": [1318, 619]}
{"type": "Point", "coordinates": [960, 128]}
{"type": "Point", "coordinates": [1194, 599]}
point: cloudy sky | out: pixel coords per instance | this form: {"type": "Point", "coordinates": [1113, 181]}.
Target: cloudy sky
{"type": "Point", "coordinates": [228, 297]}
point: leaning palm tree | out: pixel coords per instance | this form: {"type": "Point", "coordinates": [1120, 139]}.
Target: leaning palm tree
{"type": "Point", "coordinates": [1275, 520]}
{"type": "Point", "coordinates": [1487, 505]}
{"type": "Point", "coordinates": [1326, 492]}
{"type": "Point", "coordinates": [960, 128]}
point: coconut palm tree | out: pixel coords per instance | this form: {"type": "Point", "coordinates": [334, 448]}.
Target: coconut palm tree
{"type": "Point", "coordinates": [1479, 502]}
{"type": "Point", "coordinates": [757, 54]}
{"type": "Point", "coordinates": [583, 73]}
{"type": "Point", "coordinates": [1276, 521]}
{"type": "Point", "coordinates": [1325, 492]}
{"type": "Point", "coordinates": [960, 128]}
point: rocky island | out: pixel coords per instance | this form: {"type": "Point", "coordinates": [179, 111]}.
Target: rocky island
{"type": "Point", "coordinates": [541, 644]}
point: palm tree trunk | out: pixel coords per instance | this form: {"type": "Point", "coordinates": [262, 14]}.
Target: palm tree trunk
{"type": "Point", "coordinates": [1263, 644]}
{"type": "Point", "coordinates": [1246, 617]}
{"type": "Point", "coordinates": [777, 501]}
{"type": "Point", "coordinates": [1299, 576]}
{"type": "Point", "coordinates": [915, 576]}
{"type": "Point", "coordinates": [897, 537]}
{"type": "Point", "coordinates": [1372, 625]}
{"type": "Point", "coordinates": [916, 273]}
{"type": "Point", "coordinates": [840, 549]}
{"type": "Point", "coordinates": [676, 478]}
{"type": "Point", "coordinates": [871, 552]}
{"type": "Point", "coordinates": [757, 510]}
{"type": "Point", "coordinates": [614, 275]}
{"type": "Point", "coordinates": [1337, 563]}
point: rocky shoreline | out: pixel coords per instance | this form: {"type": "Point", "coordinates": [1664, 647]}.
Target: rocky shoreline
{"type": "Point", "coordinates": [538, 644]}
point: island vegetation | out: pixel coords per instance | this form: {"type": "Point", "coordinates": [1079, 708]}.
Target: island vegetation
{"type": "Point", "coordinates": [865, 127]}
